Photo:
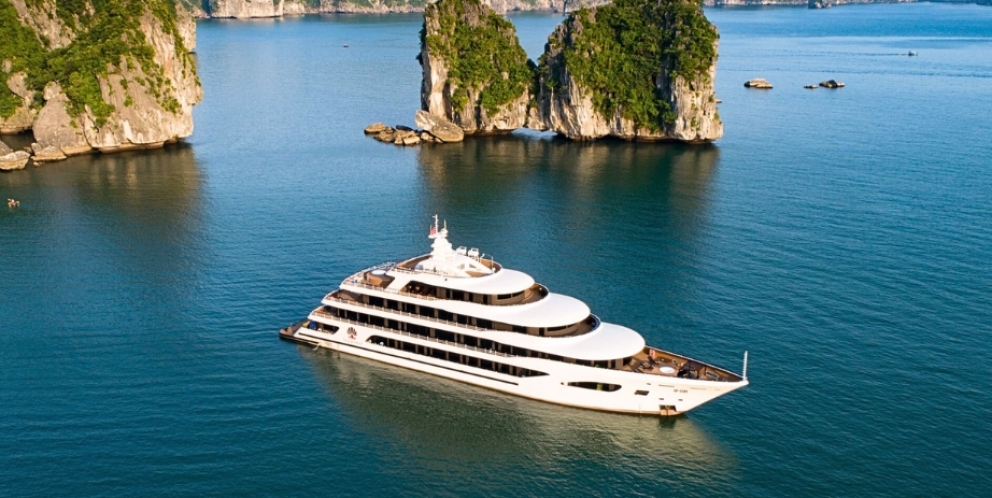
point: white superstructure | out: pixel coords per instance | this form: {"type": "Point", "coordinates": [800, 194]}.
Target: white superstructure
{"type": "Point", "coordinates": [456, 314]}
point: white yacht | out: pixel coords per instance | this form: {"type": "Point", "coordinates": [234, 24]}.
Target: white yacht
{"type": "Point", "coordinates": [458, 314]}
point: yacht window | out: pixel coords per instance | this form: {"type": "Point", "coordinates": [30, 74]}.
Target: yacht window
{"type": "Point", "coordinates": [596, 386]}
{"type": "Point", "coordinates": [640, 393]}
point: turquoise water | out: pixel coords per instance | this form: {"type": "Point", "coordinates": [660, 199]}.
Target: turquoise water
{"type": "Point", "coordinates": [841, 237]}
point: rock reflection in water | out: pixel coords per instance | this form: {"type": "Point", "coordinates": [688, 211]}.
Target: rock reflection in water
{"type": "Point", "coordinates": [131, 217]}
{"type": "Point", "coordinates": [465, 429]}
{"type": "Point", "coordinates": [565, 186]}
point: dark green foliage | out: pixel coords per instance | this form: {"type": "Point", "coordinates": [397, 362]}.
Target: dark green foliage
{"type": "Point", "coordinates": [108, 35]}
{"type": "Point", "coordinates": [485, 56]}
{"type": "Point", "coordinates": [19, 46]}
{"type": "Point", "coordinates": [622, 48]}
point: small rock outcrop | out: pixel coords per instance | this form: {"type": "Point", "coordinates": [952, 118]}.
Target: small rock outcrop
{"type": "Point", "coordinates": [832, 84]}
{"type": "Point", "coordinates": [11, 160]}
{"type": "Point", "coordinates": [435, 130]}
{"type": "Point", "coordinates": [819, 4]}
{"type": "Point", "coordinates": [759, 83]}
{"type": "Point", "coordinates": [375, 128]}
{"type": "Point", "coordinates": [138, 93]}
{"type": "Point", "coordinates": [440, 128]}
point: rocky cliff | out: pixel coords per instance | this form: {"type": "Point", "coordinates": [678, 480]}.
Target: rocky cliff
{"type": "Point", "coordinates": [635, 69]}
{"type": "Point", "coordinates": [101, 75]}
{"type": "Point", "coordinates": [277, 8]}
{"type": "Point", "coordinates": [475, 73]}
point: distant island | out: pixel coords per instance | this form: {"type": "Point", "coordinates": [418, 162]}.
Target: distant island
{"type": "Point", "coordinates": [96, 75]}
{"type": "Point", "coordinates": [242, 9]}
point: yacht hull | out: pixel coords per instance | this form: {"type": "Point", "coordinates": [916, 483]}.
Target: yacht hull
{"type": "Point", "coordinates": [638, 393]}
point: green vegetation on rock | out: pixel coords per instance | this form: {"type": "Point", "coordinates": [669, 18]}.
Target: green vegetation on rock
{"type": "Point", "coordinates": [21, 49]}
{"type": "Point", "coordinates": [483, 55]}
{"type": "Point", "coordinates": [108, 38]}
{"type": "Point", "coordinates": [617, 53]}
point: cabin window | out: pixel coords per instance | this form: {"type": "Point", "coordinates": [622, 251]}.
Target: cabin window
{"type": "Point", "coordinates": [640, 393]}
{"type": "Point", "coordinates": [518, 328]}
{"type": "Point", "coordinates": [503, 296]}
{"type": "Point", "coordinates": [486, 324]}
{"type": "Point", "coordinates": [595, 386]}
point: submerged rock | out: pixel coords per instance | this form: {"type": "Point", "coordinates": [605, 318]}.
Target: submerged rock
{"type": "Point", "coordinates": [810, 87]}
{"type": "Point", "coordinates": [832, 84]}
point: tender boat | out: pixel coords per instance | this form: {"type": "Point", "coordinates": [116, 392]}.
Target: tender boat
{"type": "Point", "coordinates": [456, 313]}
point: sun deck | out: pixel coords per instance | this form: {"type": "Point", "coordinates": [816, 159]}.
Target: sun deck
{"type": "Point", "coordinates": [410, 265]}
{"type": "Point", "coordinates": [667, 364]}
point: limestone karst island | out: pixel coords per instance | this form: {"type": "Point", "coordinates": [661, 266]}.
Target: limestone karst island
{"type": "Point", "coordinates": [633, 69]}
{"type": "Point", "coordinates": [110, 75]}
{"type": "Point", "coordinates": [96, 75]}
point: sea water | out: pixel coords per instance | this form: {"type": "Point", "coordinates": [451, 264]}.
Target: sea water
{"type": "Point", "coordinates": [842, 237]}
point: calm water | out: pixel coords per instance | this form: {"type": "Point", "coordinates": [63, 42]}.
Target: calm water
{"type": "Point", "coordinates": [842, 237]}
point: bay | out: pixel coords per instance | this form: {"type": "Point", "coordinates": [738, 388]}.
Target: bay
{"type": "Point", "coordinates": [841, 237]}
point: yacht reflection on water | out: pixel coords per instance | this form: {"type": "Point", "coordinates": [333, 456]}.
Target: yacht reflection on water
{"type": "Point", "coordinates": [439, 417]}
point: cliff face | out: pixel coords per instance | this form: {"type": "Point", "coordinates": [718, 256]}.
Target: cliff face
{"type": "Point", "coordinates": [102, 75]}
{"type": "Point", "coordinates": [277, 8]}
{"type": "Point", "coordinates": [475, 73]}
{"type": "Point", "coordinates": [245, 8]}
{"type": "Point", "coordinates": [636, 70]}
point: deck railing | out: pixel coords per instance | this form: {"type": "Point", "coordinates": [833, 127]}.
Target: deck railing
{"type": "Point", "coordinates": [410, 334]}
{"type": "Point", "coordinates": [332, 297]}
